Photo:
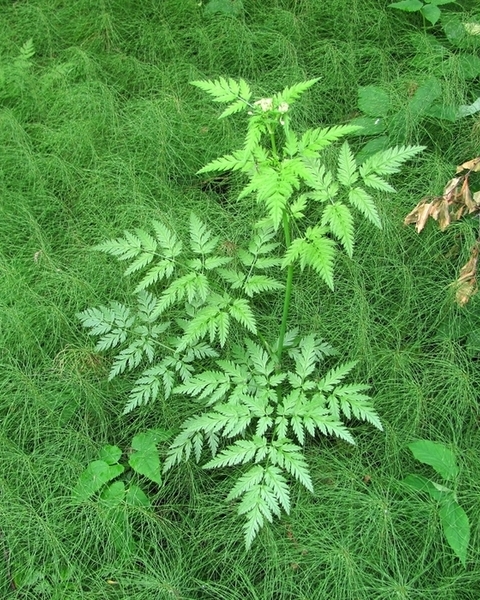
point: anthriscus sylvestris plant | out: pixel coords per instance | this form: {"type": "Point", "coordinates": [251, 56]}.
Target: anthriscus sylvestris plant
{"type": "Point", "coordinates": [260, 399]}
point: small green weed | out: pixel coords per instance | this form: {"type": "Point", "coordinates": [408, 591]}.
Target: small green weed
{"type": "Point", "coordinates": [454, 519]}
{"type": "Point", "coordinates": [268, 394]}
{"type": "Point", "coordinates": [429, 9]}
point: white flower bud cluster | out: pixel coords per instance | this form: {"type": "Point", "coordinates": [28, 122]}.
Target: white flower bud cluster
{"type": "Point", "coordinates": [265, 104]}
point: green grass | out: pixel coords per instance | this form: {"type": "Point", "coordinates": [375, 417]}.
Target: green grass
{"type": "Point", "coordinates": [106, 134]}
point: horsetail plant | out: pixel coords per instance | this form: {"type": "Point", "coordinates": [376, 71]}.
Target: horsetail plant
{"type": "Point", "coordinates": [263, 397]}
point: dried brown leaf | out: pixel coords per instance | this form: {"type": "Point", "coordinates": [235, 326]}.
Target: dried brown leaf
{"type": "Point", "coordinates": [442, 214]}
{"type": "Point", "coordinates": [466, 283]}
{"type": "Point", "coordinates": [451, 187]}
{"type": "Point", "coordinates": [419, 215]}
{"type": "Point", "coordinates": [467, 197]}
{"type": "Point", "coordinates": [470, 165]}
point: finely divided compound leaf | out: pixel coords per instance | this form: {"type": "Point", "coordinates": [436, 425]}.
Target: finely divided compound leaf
{"type": "Point", "coordinates": [314, 140]}
{"type": "Point", "coordinates": [340, 221]}
{"type": "Point", "coordinates": [246, 482]}
{"type": "Point", "coordinates": [201, 240]}
{"type": "Point", "coordinates": [257, 284]}
{"type": "Point", "coordinates": [347, 173]}
{"type": "Point", "coordinates": [147, 387]}
{"type": "Point", "coordinates": [228, 162]}
{"type": "Point", "coordinates": [241, 452]}
{"type": "Point", "coordinates": [315, 250]}
{"type": "Point", "coordinates": [388, 161]}
{"type": "Point", "coordinates": [334, 376]}
{"type": "Point", "coordinates": [225, 90]}
{"type": "Point", "coordinates": [113, 323]}
{"type": "Point", "coordinates": [241, 311]}
{"type": "Point", "coordinates": [363, 202]}
{"type": "Point", "coordinates": [354, 402]}
{"type": "Point", "coordinates": [290, 94]}
{"type": "Point", "coordinates": [288, 456]}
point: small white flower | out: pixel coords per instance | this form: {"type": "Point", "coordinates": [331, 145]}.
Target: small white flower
{"type": "Point", "coordinates": [282, 122]}
{"type": "Point", "coordinates": [283, 108]}
{"type": "Point", "coordinates": [265, 104]}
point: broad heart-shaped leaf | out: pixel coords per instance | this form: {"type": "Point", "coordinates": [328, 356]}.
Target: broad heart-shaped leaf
{"type": "Point", "coordinates": [431, 12]}
{"type": "Point", "coordinates": [429, 91]}
{"type": "Point", "coordinates": [455, 526]}
{"type": "Point", "coordinates": [437, 456]}
{"type": "Point", "coordinates": [407, 5]}
{"type": "Point", "coordinates": [110, 454]}
{"type": "Point", "coordinates": [145, 460]}
{"type": "Point", "coordinates": [374, 101]}
{"type": "Point", "coordinates": [470, 65]}
{"type": "Point", "coordinates": [114, 494]}
{"type": "Point", "coordinates": [95, 476]}
{"type": "Point", "coordinates": [136, 497]}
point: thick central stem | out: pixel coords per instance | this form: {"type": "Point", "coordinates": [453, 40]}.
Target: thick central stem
{"type": "Point", "coordinates": [288, 289]}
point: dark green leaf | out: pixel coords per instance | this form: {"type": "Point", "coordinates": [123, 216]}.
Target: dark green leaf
{"type": "Point", "coordinates": [231, 8]}
{"type": "Point", "coordinates": [407, 5]}
{"type": "Point", "coordinates": [114, 494]}
{"type": "Point", "coordinates": [374, 101]}
{"type": "Point", "coordinates": [456, 527]}
{"type": "Point", "coordinates": [421, 484]}
{"type": "Point", "coordinates": [369, 126]}
{"type": "Point", "coordinates": [136, 497]}
{"type": "Point", "coordinates": [426, 94]}
{"type": "Point", "coordinates": [438, 456]}
{"type": "Point", "coordinates": [95, 476]}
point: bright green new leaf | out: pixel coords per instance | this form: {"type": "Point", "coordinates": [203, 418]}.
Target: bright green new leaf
{"type": "Point", "coordinates": [431, 12]}
{"type": "Point", "coordinates": [110, 454]}
{"type": "Point", "coordinates": [340, 221]}
{"type": "Point", "coordinates": [146, 460]}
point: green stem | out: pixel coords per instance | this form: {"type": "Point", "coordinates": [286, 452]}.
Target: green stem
{"type": "Point", "coordinates": [288, 289]}
{"type": "Point", "coordinates": [273, 141]}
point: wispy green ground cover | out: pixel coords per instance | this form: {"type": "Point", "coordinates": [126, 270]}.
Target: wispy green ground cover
{"type": "Point", "coordinates": [104, 134]}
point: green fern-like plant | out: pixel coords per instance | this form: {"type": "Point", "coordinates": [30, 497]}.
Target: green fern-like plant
{"type": "Point", "coordinates": [15, 75]}
{"type": "Point", "coordinates": [262, 399]}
